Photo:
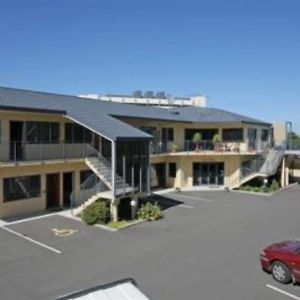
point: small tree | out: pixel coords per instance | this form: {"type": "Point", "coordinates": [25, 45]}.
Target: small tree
{"type": "Point", "coordinates": [197, 139]}
{"type": "Point", "coordinates": [174, 147]}
{"type": "Point", "coordinates": [216, 141]}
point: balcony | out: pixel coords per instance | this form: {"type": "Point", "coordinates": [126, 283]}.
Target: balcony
{"type": "Point", "coordinates": [204, 147]}
{"type": "Point", "coordinates": [16, 152]}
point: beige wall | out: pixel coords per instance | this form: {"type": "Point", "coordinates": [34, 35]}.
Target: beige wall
{"type": "Point", "coordinates": [184, 174]}
{"type": "Point", "coordinates": [27, 206]}
{"type": "Point", "coordinates": [179, 129]}
{"type": "Point", "coordinates": [280, 134]}
{"type": "Point", "coordinates": [7, 116]}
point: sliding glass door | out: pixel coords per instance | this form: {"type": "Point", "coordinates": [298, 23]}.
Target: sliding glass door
{"type": "Point", "coordinates": [208, 174]}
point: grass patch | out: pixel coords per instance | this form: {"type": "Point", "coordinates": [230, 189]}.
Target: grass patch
{"type": "Point", "coordinates": [273, 187]}
{"type": "Point", "coordinates": [120, 224]}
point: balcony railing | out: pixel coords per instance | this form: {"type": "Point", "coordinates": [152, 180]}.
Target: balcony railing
{"type": "Point", "coordinates": [206, 146]}
{"type": "Point", "coordinates": [24, 151]}
{"type": "Point", "coordinates": [190, 146]}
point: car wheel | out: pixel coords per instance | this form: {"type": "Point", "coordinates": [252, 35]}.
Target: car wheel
{"type": "Point", "coordinates": [281, 272]}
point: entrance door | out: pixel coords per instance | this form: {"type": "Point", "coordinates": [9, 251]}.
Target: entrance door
{"type": "Point", "coordinates": [52, 186]}
{"type": "Point", "coordinates": [252, 135]}
{"type": "Point", "coordinates": [16, 137]}
{"type": "Point", "coordinates": [208, 173]}
{"type": "Point", "coordinates": [158, 175]}
{"type": "Point", "coordinates": [67, 188]}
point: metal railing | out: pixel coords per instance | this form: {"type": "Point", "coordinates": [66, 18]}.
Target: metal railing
{"type": "Point", "coordinates": [25, 151]}
{"type": "Point", "coordinates": [89, 188]}
{"type": "Point", "coordinates": [207, 145]}
{"type": "Point", "coordinates": [189, 146]}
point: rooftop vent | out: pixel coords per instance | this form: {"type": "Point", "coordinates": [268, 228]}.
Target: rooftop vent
{"type": "Point", "coordinates": [137, 94]}
{"type": "Point", "coordinates": [149, 94]}
{"type": "Point", "coordinates": [161, 95]}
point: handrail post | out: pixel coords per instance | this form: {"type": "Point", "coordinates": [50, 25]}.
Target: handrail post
{"type": "Point", "coordinates": [40, 150]}
{"type": "Point", "coordinates": [15, 151]}
{"type": "Point", "coordinates": [140, 179]}
{"type": "Point", "coordinates": [124, 174]}
{"type": "Point", "coordinates": [63, 151]}
{"type": "Point", "coordinates": [132, 177]}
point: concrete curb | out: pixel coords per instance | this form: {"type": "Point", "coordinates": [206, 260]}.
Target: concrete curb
{"type": "Point", "coordinates": [265, 194]}
{"type": "Point", "coordinates": [104, 227]}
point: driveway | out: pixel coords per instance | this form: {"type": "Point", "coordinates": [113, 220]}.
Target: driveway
{"type": "Point", "coordinates": [206, 247]}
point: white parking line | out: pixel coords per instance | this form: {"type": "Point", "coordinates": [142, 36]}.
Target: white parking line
{"type": "Point", "coordinates": [186, 206]}
{"type": "Point", "coordinates": [282, 292]}
{"type": "Point", "coordinates": [190, 197]}
{"type": "Point", "coordinates": [31, 240]}
{"type": "Point", "coordinates": [172, 203]}
{"type": "Point", "coordinates": [32, 218]}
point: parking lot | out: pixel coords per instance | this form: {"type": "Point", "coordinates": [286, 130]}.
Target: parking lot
{"type": "Point", "coordinates": [206, 247]}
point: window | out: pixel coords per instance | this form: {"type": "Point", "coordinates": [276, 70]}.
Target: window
{"type": "Point", "coordinates": [233, 135]}
{"type": "Point", "coordinates": [42, 132]}
{"type": "Point", "coordinates": [167, 134]}
{"type": "Point", "coordinates": [76, 133]}
{"type": "Point", "coordinates": [23, 187]}
{"type": "Point", "coordinates": [172, 170]}
{"type": "Point", "coordinates": [265, 135]}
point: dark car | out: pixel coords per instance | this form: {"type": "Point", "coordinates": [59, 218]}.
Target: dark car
{"type": "Point", "coordinates": [282, 260]}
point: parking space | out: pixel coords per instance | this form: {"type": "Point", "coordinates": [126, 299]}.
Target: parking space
{"type": "Point", "coordinates": [206, 247]}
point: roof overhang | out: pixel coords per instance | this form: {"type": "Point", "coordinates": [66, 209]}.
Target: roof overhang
{"type": "Point", "coordinates": [28, 109]}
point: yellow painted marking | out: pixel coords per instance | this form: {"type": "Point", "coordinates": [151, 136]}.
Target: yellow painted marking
{"type": "Point", "coordinates": [63, 232]}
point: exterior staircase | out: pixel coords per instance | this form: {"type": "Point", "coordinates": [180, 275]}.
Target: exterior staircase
{"type": "Point", "coordinates": [102, 168]}
{"type": "Point", "coordinates": [263, 166]}
{"type": "Point", "coordinates": [98, 184]}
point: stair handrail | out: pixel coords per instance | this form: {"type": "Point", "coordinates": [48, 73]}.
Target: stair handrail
{"type": "Point", "coordinates": [91, 186]}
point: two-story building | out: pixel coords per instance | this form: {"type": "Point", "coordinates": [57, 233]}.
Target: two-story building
{"type": "Point", "coordinates": [59, 150]}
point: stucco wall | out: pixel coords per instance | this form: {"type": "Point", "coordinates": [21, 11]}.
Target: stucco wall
{"type": "Point", "coordinates": [27, 206]}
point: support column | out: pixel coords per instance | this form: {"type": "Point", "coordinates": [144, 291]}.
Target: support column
{"type": "Point", "coordinates": [113, 169]}
{"type": "Point", "coordinates": [61, 189]}
{"type": "Point", "coordinates": [44, 190]}
{"type": "Point", "coordinates": [114, 214]}
{"type": "Point", "coordinates": [283, 173]}
{"type": "Point", "coordinates": [149, 170]}
{"type": "Point", "coordinates": [287, 177]}
{"type": "Point", "coordinates": [62, 133]}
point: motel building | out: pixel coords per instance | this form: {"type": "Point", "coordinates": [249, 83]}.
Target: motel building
{"type": "Point", "coordinates": [60, 151]}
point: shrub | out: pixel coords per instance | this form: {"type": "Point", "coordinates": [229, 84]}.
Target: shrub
{"type": "Point", "coordinates": [150, 212]}
{"type": "Point", "coordinates": [274, 186]}
{"type": "Point", "coordinates": [97, 212]}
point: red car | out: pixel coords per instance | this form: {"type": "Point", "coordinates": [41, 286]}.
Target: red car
{"type": "Point", "coordinates": [283, 261]}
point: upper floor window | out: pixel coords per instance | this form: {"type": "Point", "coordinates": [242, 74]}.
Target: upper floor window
{"type": "Point", "coordinates": [233, 135]}
{"type": "Point", "coordinates": [76, 133]}
{"type": "Point", "coordinates": [42, 132]}
{"type": "Point", "coordinates": [167, 134]}
{"type": "Point", "coordinates": [265, 135]}
{"type": "Point", "coordinates": [22, 187]}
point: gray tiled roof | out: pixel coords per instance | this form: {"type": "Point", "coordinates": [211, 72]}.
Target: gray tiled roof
{"type": "Point", "coordinates": [102, 116]}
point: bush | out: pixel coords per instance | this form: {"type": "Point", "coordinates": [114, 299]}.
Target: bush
{"type": "Point", "coordinates": [274, 186]}
{"type": "Point", "coordinates": [97, 212]}
{"type": "Point", "coordinates": [150, 212]}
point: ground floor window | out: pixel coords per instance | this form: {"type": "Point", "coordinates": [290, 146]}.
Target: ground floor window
{"type": "Point", "coordinates": [208, 173]}
{"type": "Point", "coordinates": [172, 170]}
{"type": "Point", "coordinates": [23, 187]}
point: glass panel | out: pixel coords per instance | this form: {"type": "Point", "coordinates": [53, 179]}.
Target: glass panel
{"type": "Point", "coordinates": [18, 188]}
{"type": "Point", "coordinates": [42, 132]}
{"type": "Point", "coordinates": [233, 135]}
